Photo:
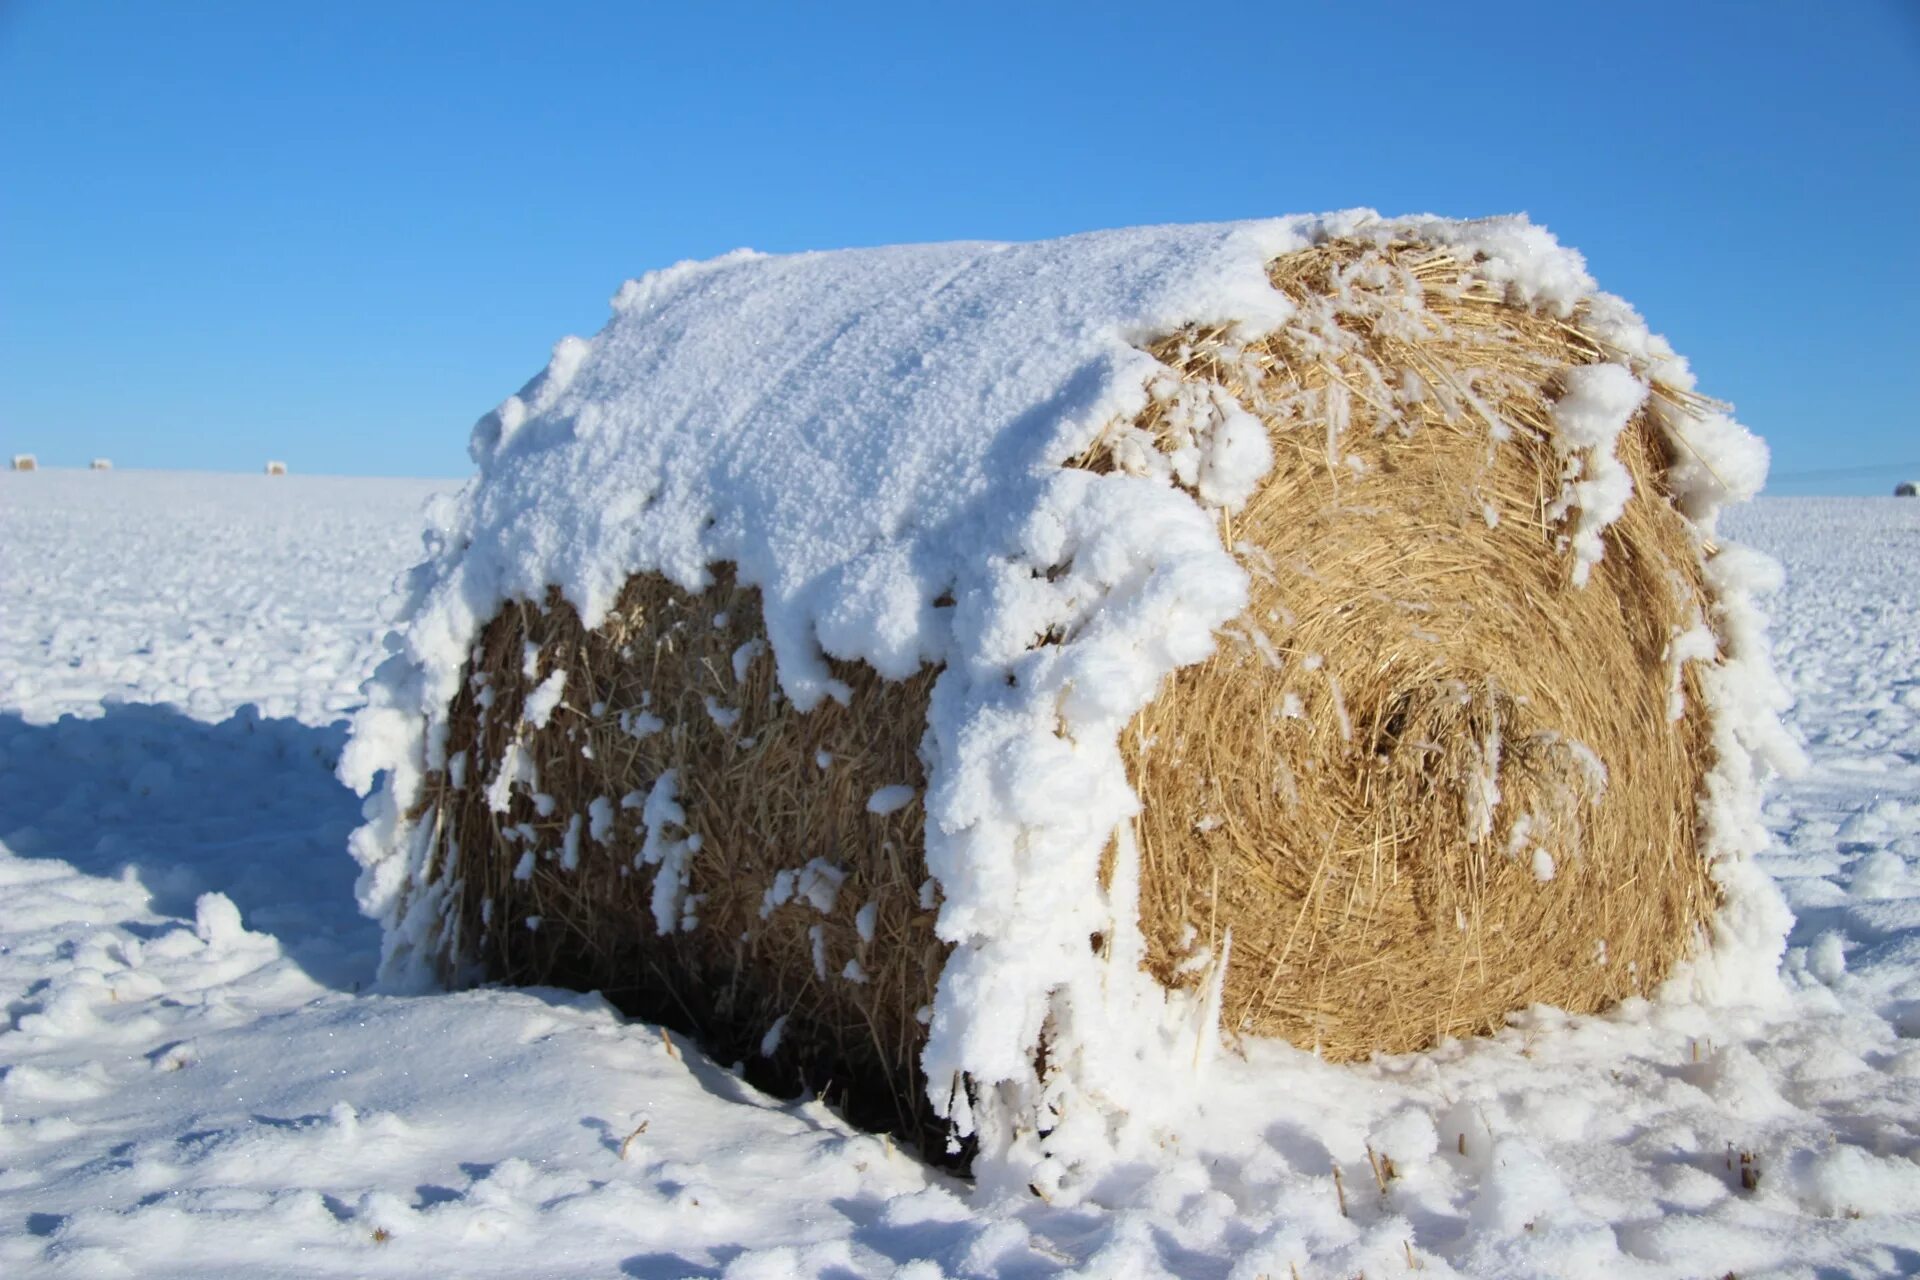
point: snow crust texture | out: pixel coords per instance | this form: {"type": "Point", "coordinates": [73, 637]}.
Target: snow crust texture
{"type": "Point", "coordinates": [876, 440]}
{"type": "Point", "coordinates": [206, 588]}
{"type": "Point", "coordinates": [198, 1078]}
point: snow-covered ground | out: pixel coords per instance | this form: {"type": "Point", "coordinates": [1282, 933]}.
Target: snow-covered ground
{"type": "Point", "coordinates": [195, 1081]}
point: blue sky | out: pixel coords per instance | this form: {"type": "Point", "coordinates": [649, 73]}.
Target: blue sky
{"type": "Point", "coordinates": [336, 234]}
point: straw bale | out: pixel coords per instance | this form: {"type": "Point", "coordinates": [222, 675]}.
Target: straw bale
{"type": "Point", "coordinates": [1425, 781]}
{"type": "Point", "coordinates": [25, 462]}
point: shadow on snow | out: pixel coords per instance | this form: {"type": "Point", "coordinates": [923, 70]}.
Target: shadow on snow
{"type": "Point", "coordinates": [248, 807]}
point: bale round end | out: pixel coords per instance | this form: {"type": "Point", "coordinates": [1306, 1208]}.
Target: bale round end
{"type": "Point", "coordinates": [1427, 779]}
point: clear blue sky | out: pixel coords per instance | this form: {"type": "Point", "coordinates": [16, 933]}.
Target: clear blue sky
{"type": "Point", "coordinates": [337, 233]}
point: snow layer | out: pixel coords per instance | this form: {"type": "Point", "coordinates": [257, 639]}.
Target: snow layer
{"type": "Point", "coordinates": [870, 434]}
{"type": "Point", "coordinates": [196, 1081]}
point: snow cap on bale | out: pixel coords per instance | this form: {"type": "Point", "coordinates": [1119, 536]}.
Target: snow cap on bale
{"type": "Point", "coordinates": [979, 635]}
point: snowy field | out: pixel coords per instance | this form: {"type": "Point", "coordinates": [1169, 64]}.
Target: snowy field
{"type": "Point", "coordinates": [195, 1079]}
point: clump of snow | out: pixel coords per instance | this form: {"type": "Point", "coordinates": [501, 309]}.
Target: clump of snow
{"type": "Point", "coordinates": [743, 658]}
{"type": "Point", "coordinates": [1845, 1181]}
{"type": "Point", "coordinates": [669, 847]}
{"type": "Point", "coordinates": [890, 800]}
{"type": "Point", "coordinates": [545, 697]}
{"type": "Point", "coordinates": [600, 814]}
{"type": "Point", "coordinates": [816, 884]}
{"type": "Point", "coordinates": [216, 921]}
{"type": "Point", "coordinates": [770, 1043]}
{"type": "Point", "coordinates": [1598, 403]}
{"type": "Point", "coordinates": [640, 724]}
{"type": "Point", "coordinates": [887, 471]}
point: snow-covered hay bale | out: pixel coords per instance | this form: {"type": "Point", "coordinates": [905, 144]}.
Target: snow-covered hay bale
{"type": "Point", "coordinates": [25, 462]}
{"type": "Point", "coordinates": [100, 464]}
{"type": "Point", "coordinates": [276, 468]}
{"type": "Point", "coordinates": [981, 676]}
{"type": "Point", "coordinates": [1907, 489]}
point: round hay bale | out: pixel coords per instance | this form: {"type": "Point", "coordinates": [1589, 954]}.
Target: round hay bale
{"type": "Point", "coordinates": [1452, 759]}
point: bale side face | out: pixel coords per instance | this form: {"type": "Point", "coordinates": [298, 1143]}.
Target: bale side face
{"type": "Point", "coordinates": [685, 682]}
{"type": "Point", "coordinates": [1415, 722]}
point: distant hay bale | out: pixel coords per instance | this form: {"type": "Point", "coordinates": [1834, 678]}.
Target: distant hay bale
{"type": "Point", "coordinates": [25, 462]}
{"type": "Point", "coordinates": [100, 464]}
{"type": "Point", "coordinates": [276, 468]}
{"type": "Point", "coordinates": [1427, 779]}
{"type": "Point", "coordinates": [1907, 489]}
